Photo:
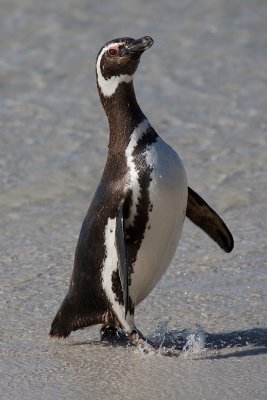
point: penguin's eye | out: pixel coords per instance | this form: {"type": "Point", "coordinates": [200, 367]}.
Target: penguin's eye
{"type": "Point", "coordinates": [113, 51]}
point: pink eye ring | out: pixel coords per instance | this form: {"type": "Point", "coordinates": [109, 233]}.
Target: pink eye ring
{"type": "Point", "coordinates": [113, 51]}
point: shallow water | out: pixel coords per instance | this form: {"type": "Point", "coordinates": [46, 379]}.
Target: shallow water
{"type": "Point", "coordinates": [203, 86]}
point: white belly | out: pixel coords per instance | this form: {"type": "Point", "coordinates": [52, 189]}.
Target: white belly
{"type": "Point", "coordinates": [168, 194]}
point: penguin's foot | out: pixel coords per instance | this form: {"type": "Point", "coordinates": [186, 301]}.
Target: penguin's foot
{"type": "Point", "coordinates": [145, 345]}
{"type": "Point", "coordinates": [109, 333]}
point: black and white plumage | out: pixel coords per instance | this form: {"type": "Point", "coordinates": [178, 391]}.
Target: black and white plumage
{"type": "Point", "coordinates": [132, 228]}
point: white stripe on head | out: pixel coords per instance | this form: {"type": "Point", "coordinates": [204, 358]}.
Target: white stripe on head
{"type": "Point", "coordinates": [108, 86]}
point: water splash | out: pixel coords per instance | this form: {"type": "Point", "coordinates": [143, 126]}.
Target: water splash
{"type": "Point", "coordinates": [158, 335]}
{"type": "Point", "coordinates": [195, 341]}
{"type": "Point", "coordinates": [188, 340]}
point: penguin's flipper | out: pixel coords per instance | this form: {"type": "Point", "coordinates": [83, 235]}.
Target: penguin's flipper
{"type": "Point", "coordinates": [201, 214]}
{"type": "Point", "coordinates": [122, 257]}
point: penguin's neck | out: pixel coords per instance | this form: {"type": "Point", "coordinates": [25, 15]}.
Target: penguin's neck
{"type": "Point", "coordinates": [124, 115]}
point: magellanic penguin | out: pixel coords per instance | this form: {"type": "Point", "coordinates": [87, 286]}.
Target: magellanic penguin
{"type": "Point", "coordinates": [132, 228]}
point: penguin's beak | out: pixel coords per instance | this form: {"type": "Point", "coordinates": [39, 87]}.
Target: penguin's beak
{"type": "Point", "coordinates": [138, 46]}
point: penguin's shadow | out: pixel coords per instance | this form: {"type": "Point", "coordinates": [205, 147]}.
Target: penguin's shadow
{"type": "Point", "coordinates": [254, 341]}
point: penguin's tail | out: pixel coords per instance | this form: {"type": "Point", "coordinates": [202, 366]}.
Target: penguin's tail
{"type": "Point", "coordinates": [61, 326]}
{"type": "Point", "coordinates": [64, 321]}
{"type": "Point", "coordinates": [71, 317]}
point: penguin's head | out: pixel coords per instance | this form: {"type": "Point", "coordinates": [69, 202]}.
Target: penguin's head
{"type": "Point", "coordinates": [117, 62]}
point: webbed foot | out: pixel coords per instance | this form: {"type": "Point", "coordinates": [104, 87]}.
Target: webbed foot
{"type": "Point", "coordinates": [145, 345]}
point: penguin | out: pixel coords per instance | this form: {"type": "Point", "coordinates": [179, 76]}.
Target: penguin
{"type": "Point", "coordinates": [132, 228]}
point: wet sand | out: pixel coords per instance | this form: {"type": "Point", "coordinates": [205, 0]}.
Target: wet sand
{"type": "Point", "coordinates": [203, 86]}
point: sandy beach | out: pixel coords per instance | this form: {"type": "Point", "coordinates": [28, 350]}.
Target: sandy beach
{"type": "Point", "coordinates": [203, 86]}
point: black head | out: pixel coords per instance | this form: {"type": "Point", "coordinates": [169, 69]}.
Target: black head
{"type": "Point", "coordinates": [117, 62]}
